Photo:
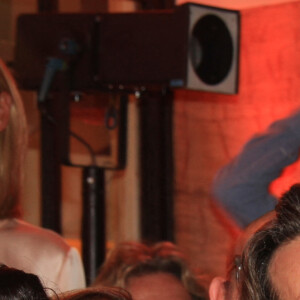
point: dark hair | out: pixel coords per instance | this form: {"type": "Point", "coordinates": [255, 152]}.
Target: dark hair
{"type": "Point", "coordinates": [255, 282]}
{"type": "Point", "coordinates": [18, 285]}
{"type": "Point", "coordinates": [103, 293]}
{"type": "Point", "coordinates": [132, 259]}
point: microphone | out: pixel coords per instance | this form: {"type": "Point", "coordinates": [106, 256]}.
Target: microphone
{"type": "Point", "coordinates": [54, 65]}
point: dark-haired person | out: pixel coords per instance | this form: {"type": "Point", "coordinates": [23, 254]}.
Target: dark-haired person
{"type": "Point", "coordinates": [150, 272]}
{"type": "Point", "coordinates": [269, 268]}
{"type": "Point", "coordinates": [23, 246]}
{"type": "Point", "coordinates": [18, 285]}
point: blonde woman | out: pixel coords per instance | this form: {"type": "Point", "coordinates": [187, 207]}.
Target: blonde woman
{"type": "Point", "coordinates": [23, 246]}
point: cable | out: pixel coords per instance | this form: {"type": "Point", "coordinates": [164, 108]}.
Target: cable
{"type": "Point", "coordinates": [81, 140]}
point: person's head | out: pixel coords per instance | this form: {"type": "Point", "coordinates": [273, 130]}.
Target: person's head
{"type": "Point", "coordinates": [147, 272]}
{"type": "Point", "coordinates": [13, 140]}
{"type": "Point", "coordinates": [269, 267]}
{"type": "Point", "coordinates": [104, 293]}
{"type": "Point", "coordinates": [18, 285]}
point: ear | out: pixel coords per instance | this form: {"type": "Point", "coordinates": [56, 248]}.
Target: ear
{"type": "Point", "coordinates": [5, 105]}
{"type": "Point", "coordinates": [217, 289]}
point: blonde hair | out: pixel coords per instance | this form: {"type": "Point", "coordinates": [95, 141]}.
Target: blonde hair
{"type": "Point", "coordinates": [132, 259]}
{"type": "Point", "coordinates": [13, 142]}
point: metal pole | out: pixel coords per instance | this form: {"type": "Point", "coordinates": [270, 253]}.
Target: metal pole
{"type": "Point", "coordinates": [93, 221]}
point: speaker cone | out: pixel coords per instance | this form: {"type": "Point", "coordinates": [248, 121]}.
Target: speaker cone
{"type": "Point", "coordinates": [211, 49]}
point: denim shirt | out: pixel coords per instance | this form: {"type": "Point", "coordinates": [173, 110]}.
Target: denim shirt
{"type": "Point", "coordinates": [242, 186]}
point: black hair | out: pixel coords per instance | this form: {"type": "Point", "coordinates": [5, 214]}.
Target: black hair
{"type": "Point", "coordinates": [18, 285]}
{"type": "Point", "coordinates": [255, 283]}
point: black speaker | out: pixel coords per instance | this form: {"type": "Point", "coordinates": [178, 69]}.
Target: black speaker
{"type": "Point", "coordinates": [192, 46]}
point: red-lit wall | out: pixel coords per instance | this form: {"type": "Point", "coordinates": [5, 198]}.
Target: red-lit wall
{"type": "Point", "coordinates": [210, 129]}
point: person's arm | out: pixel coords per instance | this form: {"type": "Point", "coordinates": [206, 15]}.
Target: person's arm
{"type": "Point", "coordinates": [242, 186]}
